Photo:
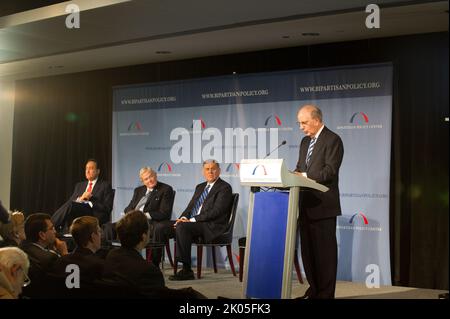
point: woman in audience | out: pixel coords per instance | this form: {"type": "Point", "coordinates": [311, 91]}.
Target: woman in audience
{"type": "Point", "coordinates": [13, 233]}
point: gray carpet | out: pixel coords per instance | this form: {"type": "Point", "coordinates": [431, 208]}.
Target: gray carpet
{"type": "Point", "coordinates": [224, 284]}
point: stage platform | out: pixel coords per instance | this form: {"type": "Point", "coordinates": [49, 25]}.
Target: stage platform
{"type": "Point", "coordinates": [224, 284]}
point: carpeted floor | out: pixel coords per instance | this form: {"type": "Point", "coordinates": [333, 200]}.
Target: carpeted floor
{"type": "Point", "coordinates": [224, 284]}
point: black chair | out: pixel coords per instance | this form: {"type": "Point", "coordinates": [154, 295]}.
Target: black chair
{"type": "Point", "coordinates": [225, 239]}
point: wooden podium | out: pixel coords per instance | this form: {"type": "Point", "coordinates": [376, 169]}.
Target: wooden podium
{"type": "Point", "coordinates": [271, 226]}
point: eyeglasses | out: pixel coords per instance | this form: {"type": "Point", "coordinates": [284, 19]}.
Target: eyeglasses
{"type": "Point", "coordinates": [26, 279]}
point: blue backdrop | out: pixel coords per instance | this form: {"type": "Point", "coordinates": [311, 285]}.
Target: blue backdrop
{"type": "Point", "coordinates": [174, 126]}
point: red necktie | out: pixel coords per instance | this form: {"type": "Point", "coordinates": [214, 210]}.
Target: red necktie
{"type": "Point", "coordinates": [90, 187]}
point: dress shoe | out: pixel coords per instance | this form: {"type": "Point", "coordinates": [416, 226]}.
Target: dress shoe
{"type": "Point", "coordinates": [183, 274]}
{"type": "Point", "coordinates": [307, 295]}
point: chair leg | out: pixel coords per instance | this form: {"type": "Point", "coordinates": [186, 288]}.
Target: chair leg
{"type": "Point", "coordinates": [241, 262]}
{"type": "Point", "coordinates": [297, 267]}
{"type": "Point", "coordinates": [214, 258]}
{"type": "Point", "coordinates": [169, 255]}
{"type": "Point", "coordinates": [175, 263]}
{"type": "Point", "coordinates": [230, 259]}
{"type": "Point", "coordinates": [199, 260]}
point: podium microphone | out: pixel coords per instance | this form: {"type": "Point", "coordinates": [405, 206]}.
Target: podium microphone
{"type": "Point", "coordinates": [281, 144]}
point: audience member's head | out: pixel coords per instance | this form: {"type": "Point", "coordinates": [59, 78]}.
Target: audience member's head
{"type": "Point", "coordinates": [132, 230]}
{"type": "Point", "coordinates": [14, 266]}
{"type": "Point", "coordinates": [86, 232]}
{"type": "Point", "coordinates": [13, 233]}
{"type": "Point", "coordinates": [39, 229]}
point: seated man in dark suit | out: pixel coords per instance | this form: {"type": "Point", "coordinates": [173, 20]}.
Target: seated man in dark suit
{"type": "Point", "coordinates": [154, 198]}
{"type": "Point", "coordinates": [86, 233]}
{"type": "Point", "coordinates": [127, 266]}
{"type": "Point", "coordinates": [43, 250]}
{"type": "Point", "coordinates": [205, 216]}
{"type": "Point", "coordinates": [94, 193]}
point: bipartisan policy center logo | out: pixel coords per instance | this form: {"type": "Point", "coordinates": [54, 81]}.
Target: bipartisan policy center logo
{"type": "Point", "coordinates": [232, 170]}
{"type": "Point", "coordinates": [166, 169]}
{"type": "Point", "coordinates": [202, 122]}
{"type": "Point", "coordinates": [259, 170]}
{"type": "Point", "coordinates": [359, 120]}
{"type": "Point", "coordinates": [358, 222]}
{"type": "Point", "coordinates": [361, 216]}
{"type": "Point", "coordinates": [134, 129]}
{"type": "Point", "coordinates": [274, 120]}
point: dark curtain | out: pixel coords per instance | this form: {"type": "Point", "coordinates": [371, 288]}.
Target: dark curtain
{"type": "Point", "coordinates": [61, 121]}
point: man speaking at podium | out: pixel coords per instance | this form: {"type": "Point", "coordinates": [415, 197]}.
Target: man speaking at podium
{"type": "Point", "coordinates": [321, 153]}
{"type": "Point", "coordinates": [92, 197]}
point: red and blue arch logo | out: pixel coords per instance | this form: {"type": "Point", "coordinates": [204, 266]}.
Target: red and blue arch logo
{"type": "Point", "coordinates": [360, 216]}
{"type": "Point", "coordinates": [165, 167]}
{"type": "Point", "coordinates": [134, 126]}
{"type": "Point", "coordinates": [232, 167]}
{"type": "Point", "coordinates": [259, 170]}
{"type": "Point", "coordinates": [272, 118]}
{"type": "Point", "coordinates": [359, 117]}
{"type": "Point", "coordinates": [201, 122]}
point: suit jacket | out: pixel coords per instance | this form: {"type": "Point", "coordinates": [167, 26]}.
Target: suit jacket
{"type": "Point", "coordinates": [159, 204]}
{"type": "Point", "coordinates": [40, 258]}
{"type": "Point", "coordinates": [102, 200]}
{"type": "Point", "coordinates": [91, 266]}
{"type": "Point", "coordinates": [127, 266]}
{"type": "Point", "coordinates": [323, 167]}
{"type": "Point", "coordinates": [216, 208]}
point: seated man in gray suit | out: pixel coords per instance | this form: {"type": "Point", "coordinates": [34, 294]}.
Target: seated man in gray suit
{"type": "Point", "coordinates": [153, 198]}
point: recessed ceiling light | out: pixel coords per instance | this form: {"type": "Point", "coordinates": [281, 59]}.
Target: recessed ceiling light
{"type": "Point", "coordinates": [310, 34]}
{"type": "Point", "coordinates": [163, 52]}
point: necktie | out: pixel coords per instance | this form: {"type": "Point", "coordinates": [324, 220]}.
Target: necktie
{"type": "Point", "coordinates": [310, 150]}
{"type": "Point", "coordinates": [90, 187]}
{"type": "Point", "coordinates": [200, 200]}
{"type": "Point", "coordinates": [141, 204]}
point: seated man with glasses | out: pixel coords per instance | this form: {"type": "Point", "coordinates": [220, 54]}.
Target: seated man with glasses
{"type": "Point", "coordinates": [14, 266]}
{"type": "Point", "coordinates": [43, 250]}
{"type": "Point", "coordinates": [86, 233]}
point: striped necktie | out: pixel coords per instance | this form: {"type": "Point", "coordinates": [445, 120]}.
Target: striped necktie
{"type": "Point", "coordinates": [141, 204]}
{"type": "Point", "coordinates": [310, 150]}
{"type": "Point", "coordinates": [199, 202]}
